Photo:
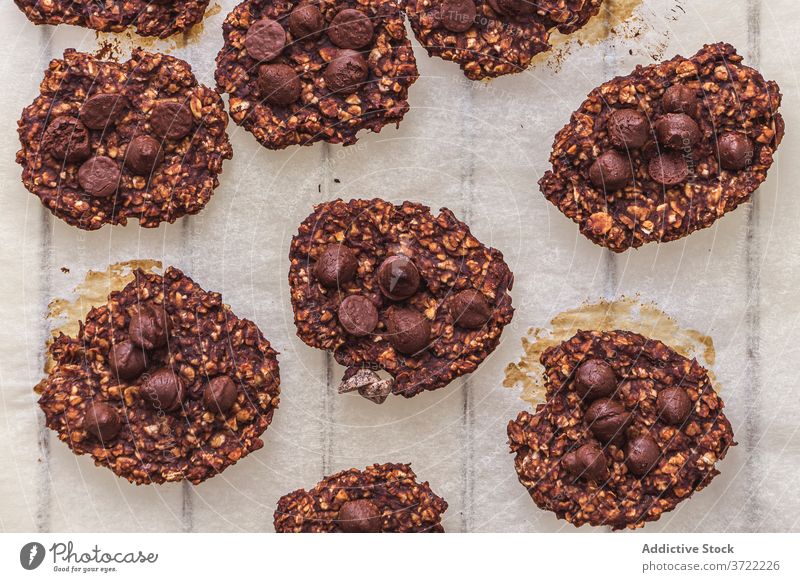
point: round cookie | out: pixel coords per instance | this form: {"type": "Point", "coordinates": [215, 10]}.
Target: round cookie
{"type": "Point", "coordinates": [107, 141]}
{"type": "Point", "coordinates": [490, 38]}
{"type": "Point", "coordinates": [380, 499]}
{"type": "Point", "coordinates": [426, 319]}
{"type": "Point", "coordinates": [621, 442]}
{"type": "Point", "coordinates": [162, 383]}
{"type": "Point", "coordinates": [667, 150]}
{"type": "Point", "coordinates": [304, 71]}
{"type": "Point", "coordinates": [160, 18]}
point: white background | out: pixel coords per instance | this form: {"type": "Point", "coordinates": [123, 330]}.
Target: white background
{"type": "Point", "coordinates": [479, 150]}
{"type": "Point", "coordinates": [402, 558]}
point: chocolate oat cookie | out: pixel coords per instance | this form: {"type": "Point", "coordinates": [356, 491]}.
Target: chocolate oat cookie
{"type": "Point", "coordinates": [489, 38]}
{"type": "Point", "coordinates": [304, 71]}
{"type": "Point", "coordinates": [379, 499]}
{"type": "Point", "coordinates": [162, 383]}
{"type": "Point", "coordinates": [666, 150]}
{"type": "Point", "coordinates": [396, 288]}
{"type": "Point", "coordinates": [160, 18]}
{"type": "Point", "coordinates": [629, 429]}
{"type": "Point", "coordinates": [107, 141]}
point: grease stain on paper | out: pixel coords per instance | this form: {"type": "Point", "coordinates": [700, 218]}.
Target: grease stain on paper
{"type": "Point", "coordinates": [618, 21]}
{"type": "Point", "coordinates": [115, 46]}
{"type": "Point", "coordinates": [66, 313]}
{"type": "Point", "coordinates": [623, 314]}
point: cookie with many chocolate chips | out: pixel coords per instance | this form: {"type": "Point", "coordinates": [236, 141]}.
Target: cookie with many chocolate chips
{"type": "Point", "coordinates": [379, 499]}
{"type": "Point", "coordinates": [629, 429]}
{"type": "Point", "coordinates": [490, 38]}
{"type": "Point", "coordinates": [304, 71]}
{"type": "Point", "coordinates": [396, 288]}
{"type": "Point", "coordinates": [107, 141]}
{"type": "Point", "coordinates": [666, 150]}
{"type": "Point", "coordinates": [160, 18]}
{"type": "Point", "coordinates": [162, 383]}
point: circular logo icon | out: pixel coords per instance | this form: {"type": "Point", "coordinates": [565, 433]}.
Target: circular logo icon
{"type": "Point", "coordinates": [31, 555]}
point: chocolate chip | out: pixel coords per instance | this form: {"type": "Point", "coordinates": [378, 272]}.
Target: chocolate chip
{"type": "Point", "coordinates": [127, 360]}
{"type": "Point", "coordinates": [67, 139]}
{"type": "Point", "coordinates": [377, 392]}
{"type": "Point", "coordinates": [513, 7]}
{"type": "Point", "coordinates": [588, 462]}
{"type": "Point", "coordinates": [457, 15]}
{"type": "Point", "coordinates": [368, 384]}
{"type": "Point", "coordinates": [677, 131]}
{"type": "Point", "coordinates": [306, 21]}
{"type": "Point", "coordinates": [220, 394]}
{"type": "Point", "coordinates": [668, 169]}
{"type": "Point", "coordinates": [101, 420]}
{"type": "Point", "coordinates": [265, 40]}
{"type": "Point", "coordinates": [628, 128]}
{"type": "Point", "coordinates": [171, 120]}
{"type": "Point", "coordinates": [650, 150]}
{"type": "Point", "coordinates": [103, 110]}
{"type": "Point", "coordinates": [607, 419]}
{"type": "Point", "coordinates": [279, 84]}
{"type": "Point", "coordinates": [409, 331]}
{"type": "Point", "coordinates": [470, 309]}
{"type": "Point", "coordinates": [351, 29]}
{"type": "Point", "coordinates": [641, 455]}
{"type": "Point", "coordinates": [611, 171]}
{"type": "Point", "coordinates": [144, 155]}
{"type": "Point", "coordinates": [358, 315]}
{"type": "Point", "coordinates": [149, 326]}
{"type": "Point", "coordinates": [336, 266]}
{"type": "Point", "coordinates": [346, 72]}
{"type": "Point", "coordinates": [680, 99]}
{"type": "Point", "coordinates": [99, 176]}
{"type": "Point", "coordinates": [398, 277]}
{"type": "Point", "coordinates": [359, 516]}
{"type": "Point", "coordinates": [595, 378]}
{"type": "Point", "coordinates": [735, 150]}
{"type": "Point", "coordinates": [673, 405]}
{"type": "Point", "coordinates": [163, 390]}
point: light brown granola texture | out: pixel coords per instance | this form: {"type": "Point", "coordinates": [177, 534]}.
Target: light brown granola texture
{"type": "Point", "coordinates": [406, 506]}
{"type": "Point", "coordinates": [645, 366]}
{"type": "Point", "coordinates": [735, 98]}
{"type": "Point", "coordinates": [318, 115]}
{"type": "Point", "coordinates": [205, 340]}
{"type": "Point", "coordinates": [449, 258]}
{"type": "Point", "coordinates": [184, 182]}
{"type": "Point", "coordinates": [160, 18]}
{"type": "Point", "coordinates": [497, 44]}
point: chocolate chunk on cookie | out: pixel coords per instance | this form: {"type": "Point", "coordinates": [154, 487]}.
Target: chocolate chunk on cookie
{"type": "Point", "coordinates": [395, 288]}
{"type": "Point", "coordinates": [162, 383]}
{"type": "Point", "coordinates": [380, 499]}
{"type": "Point", "coordinates": [139, 139]}
{"type": "Point", "coordinates": [490, 38]}
{"type": "Point", "coordinates": [160, 18]}
{"type": "Point", "coordinates": [304, 71]}
{"type": "Point", "coordinates": [622, 455]}
{"type": "Point", "coordinates": [667, 150]}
